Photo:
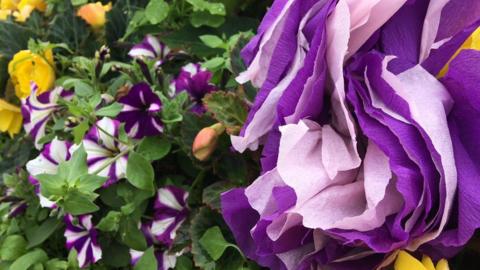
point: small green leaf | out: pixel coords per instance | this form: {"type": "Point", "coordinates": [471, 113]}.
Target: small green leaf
{"type": "Point", "coordinates": [29, 259]}
{"type": "Point", "coordinates": [140, 172]}
{"type": "Point", "coordinates": [77, 165]}
{"type": "Point", "coordinates": [201, 18]}
{"type": "Point", "coordinates": [184, 263]}
{"type": "Point", "coordinates": [51, 185]}
{"type": "Point", "coordinates": [212, 41]}
{"type": "Point", "coordinates": [147, 261]}
{"type": "Point", "coordinates": [38, 235]}
{"type": "Point", "coordinates": [79, 2]}
{"type": "Point", "coordinates": [227, 108]}
{"type": "Point", "coordinates": [79, 131]}
{"type": "Point", "coordinates": [111, 110]}
{"type": "Point", "coordinates": [214, 64]}
{"type": "Point", "coordinates": [110, 223]}
{"type": "Point", "coordinates": [157, 11]}
{"type": "Point", "coordinates": [88, 183]}
{"type": "Point", "coordinates": [56, 264]}
{"type": "Point", "coordinates": [82, 87]}
{"type": "Point", "coordinates": [131, 235]}
{"type": "Point", "coordinates": [154, 148]}
{"type": "Point", "coordinates": [211, 194]}
{"type": "Point", "coordinates": [13, 247]}
{"type": "Point", "coordinates": [212, 8]}
{"type": "Point", "coordinates": [77, 203]}
{"type": "Point", "coordinates": [214, 242]}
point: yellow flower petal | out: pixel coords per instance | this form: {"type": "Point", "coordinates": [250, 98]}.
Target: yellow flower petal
{"type": "Point", "coordinates": [406, 261]}
{"type": "Point", "coordinates": [442, 265]}
{"type": "Point", "coordinates": [8, 4]}
{"type": "Point", "coordinates": [39, 5]}
{"type": "Point", "coordinates": [27, 67]}
{"type": "Point", "coordinates": [472, 42]}
{"type": "Point", "coordinates": [10, 118]}
{"type": "Point", "coordinates": [4, 13]}
{"type": "Point", "coordinates": [427, 262]}
{"type": "Point", "coordinates": [16, 125]}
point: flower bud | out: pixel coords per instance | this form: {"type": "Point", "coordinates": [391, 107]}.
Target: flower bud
{"type": "Point", "coordinates": [205, 142]}
{"type": "Point", "coordinates": [94, 13]}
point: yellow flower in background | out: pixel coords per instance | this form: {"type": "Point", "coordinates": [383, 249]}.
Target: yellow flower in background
{"type": "Point", "coordinates": [472, 43]}
{"type": "Point", "coordinates": [25, 8]}
{"type": "Point", "coordinates": [10, 118]}
{"type": "Point", "coordinates": [94, 13]}
{"type": "Point", "coordinates": [406, 261]}
{"type": "Point", "coordinates": [27, 67]}
{"type": "Point", "coordinates": [20, 9]}
{"type": "Point", "coordinates": [8, 4]}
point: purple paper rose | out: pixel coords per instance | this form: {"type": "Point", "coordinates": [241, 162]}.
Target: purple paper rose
{"type": "Point", "coordinates": [365, 150]}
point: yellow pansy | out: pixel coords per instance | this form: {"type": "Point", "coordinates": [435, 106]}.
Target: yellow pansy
{"type": "Point", "coordinates": [4, 13]}
{"type": "Point", "coordinates": [8, 4]}
{"type": "Point", "coordinates": [10, 118]}
{"type": "Point", "coordinates": [406, 261]}
{"type": "Point", "coordinates": [25, 8]}
{"type": "Point", "coordinates": [27, 67]}
{"type": "Point", "coordinates": [94, 13]}
{"type": "Point", "coordinates": [472, 42]}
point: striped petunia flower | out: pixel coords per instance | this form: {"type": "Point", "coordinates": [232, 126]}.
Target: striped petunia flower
{"type": "Point", "coordinates": [140, 112]}
{"type": "Point", "coordinates": [194, 79]}
{"type": "Point", "coordinates": [170, 212]}
{"type": "Point", "coordinates": [54, 153]}
{"type": "Point", "coordinates": [82, 236]}
{"type": "Point", "coordinates": [164, 259]}
{"type": "Point", "coordinates": [38, 110]}
{"type": "Point", "coordinates": [102, 147]}
{"type": "Point", "coordinates": [151, 48]}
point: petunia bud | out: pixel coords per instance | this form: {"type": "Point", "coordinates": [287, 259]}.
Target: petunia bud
{"type": "Point", "coordinates": [94, 13]}
{"type": "Point", "coordinates": [206, 141]}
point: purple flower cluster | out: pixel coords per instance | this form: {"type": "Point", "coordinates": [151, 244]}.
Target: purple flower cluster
{"type": "Point", "coordinates": [369, 145]}
{"type": "Point", "coordinates": [195, 80]}
{"type": "Point", "coordinates": [82, 236]}
{"type": "Point", "coordinates": [170, 211]}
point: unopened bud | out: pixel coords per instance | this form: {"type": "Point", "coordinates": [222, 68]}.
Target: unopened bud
{"type": "Point", "coordinates": [205, 142]}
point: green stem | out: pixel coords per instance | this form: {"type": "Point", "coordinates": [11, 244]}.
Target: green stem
{"type": "Point", "coordinates": [113, 160]}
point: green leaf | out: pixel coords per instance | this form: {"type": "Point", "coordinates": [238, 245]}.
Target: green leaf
{"type": "Point", "coordinates": [227, 108]}
{"type": "Point", "coordinates": [29, 259]}
{"type": "Point", "coordinates": [154, 148]}
{"type": "Point", "coordinates": [212, 41]}
{"type": "Point", "coordinates": [78, 2]}
{"type": "Point", "coordinates": [56, 264]}
{"type": "Point", "coordinates": [201, 18]}
{"type": "Point", "coordinates": [82, 87]}
{"type": "Point", "coordinates": [110, 223]}
{"type": "Point", "coordinates": [14, 38]}
{"type": "Point", "coordinates": [51, 185]}
{"type": "Point", "coordinates": [77, 203]}
{"type": "Point", "coordinates": [89, 183]}
{"type": "Point", "coordinates": [214, 64]}
{"type": "Point", "coordinates": [72, 259]}
{"type": "Point", "coordinates": [157, 11]}
{"type": "Point", "coordinates": [116, 255]}
{"type": "Point", "coordinates": [147, 261]}
{"type": "Point", "coordinates": [131, 235]}
{"type": "Point", "coordinates": [13, 247]}
{"type": "Point", "coordinates": [77, 165]}
{"type": "Point", "coordinates": [111, 110]}
{"type": "Point", "coordinates": [139, 19]}
{"type": "Point", "coordinates": [79, 131]}
{"type": "Point", "coordinates": [214, 242]}
{"type": "Point", "coordinates": [184, 263]}
{"type": "Point", "coordinates": [140, 172]}
{"type": "Point", "coordinates": [212, 8]}
{"type": "Point", "coordinates": [211, 194]}
{"type": "Point", "coordinates": [38, 235]}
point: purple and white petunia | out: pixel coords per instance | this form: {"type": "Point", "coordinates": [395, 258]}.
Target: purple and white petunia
{"type": "Point", "coordinates": [164, 260]}
{"type": "Point", "coordinates": [152, 48]}
{"type": "Point", "coordinates": [170, 212]}
{"type": "Point", "coordinates": [38, 110]}
{"type": "Point", "coordinates": [102, 147]}
{"type": "Point", "coordinates": [82, 236]}
{"type": "Point", "coordinates": [140, 112]}
{"type": "Point", "coordinates": [196, 81]}
{"type": "Point", "coordinates": [47, 162]}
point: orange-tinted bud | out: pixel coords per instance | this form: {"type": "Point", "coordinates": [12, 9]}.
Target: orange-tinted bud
{"type": "Point", "coordinates": [94, 13]}
{"type": "Point", "coordinates": [205, 142]}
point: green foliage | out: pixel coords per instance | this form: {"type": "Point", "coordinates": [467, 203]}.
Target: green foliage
{"type": "Point", "coordinates": [154, 148]}
{"type": "Point", "coordinates": [228, 109]}
{"type": "Point", "coordinates": [147, 261]}
{"type": "Point", "coordinates": [14, 38]}
{"type": "Point", "coordinates": [13, 247]}
{"type": "Point", "coordinates": [140, 172]}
